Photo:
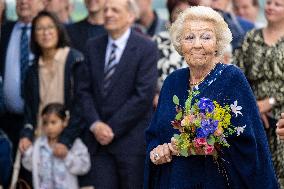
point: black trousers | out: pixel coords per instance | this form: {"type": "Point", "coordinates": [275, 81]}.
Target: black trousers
{"type": "Point", "coordinates": [118, 171]}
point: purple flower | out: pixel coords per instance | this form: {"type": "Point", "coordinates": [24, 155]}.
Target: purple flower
{"type": "Point", "coordinates": [208, 127]}
{"type": "Point", "coordinates": [206, 104]}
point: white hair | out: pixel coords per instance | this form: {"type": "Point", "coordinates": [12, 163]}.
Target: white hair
{"type": "Point", "coordinates": [201, 13]}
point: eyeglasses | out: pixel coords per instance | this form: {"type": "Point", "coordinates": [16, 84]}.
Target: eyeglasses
{"type": "Point", "coordinates": [41, 29]}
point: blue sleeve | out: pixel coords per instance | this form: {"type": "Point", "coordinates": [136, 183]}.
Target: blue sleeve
{"type": "Point", "coordinates": [248, 159]}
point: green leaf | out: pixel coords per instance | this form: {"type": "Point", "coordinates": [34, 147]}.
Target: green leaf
{"type": "Point", "coordinates": [179, 116]}
{"type": "Point", "coordinates": [176, 136]}
{"type": "Point", "coordinates": [192, 151]}
{"type": "Point", "coordinates": [187, 106]}
{"type": "Point", "coordinates": [211, 140]}
{"type": "Point", "coordinates": [184, 152]}
{"type": "Point", "coordinates": [176, 100]}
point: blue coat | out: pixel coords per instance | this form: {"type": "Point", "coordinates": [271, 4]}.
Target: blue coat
{"type": "Point", "coordinates": [246, 163]}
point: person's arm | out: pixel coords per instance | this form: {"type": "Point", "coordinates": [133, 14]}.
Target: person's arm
{"type": "Point", "coordinates": [248, 154]}
{"type": "Point", "coordinates": [141, 101]}
{"type": "Point", "coordinates": [27, 159]}
{"type": "Point", "coordinates": [83, 112]}
{"type": "Point", "coordinates": [78, 159]}
{"type": "Point", "coordinates": [27, 133]}
{"type": "Point", "coordinates": [280, 127]}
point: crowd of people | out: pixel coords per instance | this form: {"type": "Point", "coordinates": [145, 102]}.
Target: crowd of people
{"type": "Point", "coordinates": [88, 104]}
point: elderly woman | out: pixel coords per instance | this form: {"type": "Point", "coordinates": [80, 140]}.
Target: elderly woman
{"type": "Point", "coordinates": [200, 35]}
{"type": "Point", "coordinates": [262, 59]}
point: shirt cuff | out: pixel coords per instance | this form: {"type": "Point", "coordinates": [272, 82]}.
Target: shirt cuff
{"type": "Point", "coordinates": [92, 127]}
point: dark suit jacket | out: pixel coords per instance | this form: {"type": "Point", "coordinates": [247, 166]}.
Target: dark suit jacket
{"type": "Point", "coordinates": [80, 32]}
{"type": "Point", "coordinates": [127, 107]}
{"type": "Point", "coordinates": [6, 31]}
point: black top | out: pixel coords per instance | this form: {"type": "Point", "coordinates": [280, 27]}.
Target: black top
{"type": "Point", "coordinates": [80, 32]}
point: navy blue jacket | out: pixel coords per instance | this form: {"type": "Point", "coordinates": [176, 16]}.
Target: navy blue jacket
{"type": "Point", "coordinates": [246, 164]}
{"type": "Point", "coordinates": [32, 98]}
{"type": "Point", "coordinates": [127, 107]}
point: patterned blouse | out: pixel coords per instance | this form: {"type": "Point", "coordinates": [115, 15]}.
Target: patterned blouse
{"type": "Point", "coordinates": [169, 59]}
{"type": "Point", "coordinates": [263, 66]}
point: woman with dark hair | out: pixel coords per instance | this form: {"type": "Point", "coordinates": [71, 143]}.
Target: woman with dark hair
{"type": "Point", "coordinates": [51, 78]}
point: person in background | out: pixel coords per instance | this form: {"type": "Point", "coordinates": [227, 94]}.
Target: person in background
{"type": "Point", "coordinates": [2, 12]}
{"type": "Point", "coordinates": [200, 34]}
{"type": "Point", "coordinates": [48, 170]}
{"type": "Point", "coordinates": [280, 127]}
{"type": "Point", "coordinates": [149, 21]}
{"type": "Point", "coordinates": [62, 9]}
{"type": "Point", "coordinates": [50, 79]}
{"type": "Point", "coordinates": [261, 58]}
{"type": "Point", "coordinates": [6, 161]}
{"type": "Point", "coordinates": [115, 92]}
{"type": "Point", "coordinates": [91, 26]}
{"type": "Point", "coordinates": [238, 26]}
{"type": "Point", "coordinates": [15, 58]}
{"type": "Point", "coordinates": [169, 59]}
{"type": "Point", "coordinates": [248, 9]}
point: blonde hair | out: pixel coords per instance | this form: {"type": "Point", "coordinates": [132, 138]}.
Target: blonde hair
{"type": "Point", "coordinates": [201, 13]}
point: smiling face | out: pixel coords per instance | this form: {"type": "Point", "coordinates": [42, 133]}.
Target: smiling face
{"type": "Point", "coordinates": [199, 43]}
{"type": "Point", "coordinates": [46, 33]}
{"type": "Point", "coordinates": [118, 18]}
{"type": "Point", "coordinates": [274, 11]}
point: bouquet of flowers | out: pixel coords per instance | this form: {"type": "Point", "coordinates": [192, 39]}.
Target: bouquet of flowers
{"type": "Point", "coordinates": [204, 125]}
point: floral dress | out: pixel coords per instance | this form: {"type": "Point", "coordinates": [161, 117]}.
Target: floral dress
{"type": "Point", "coordinates": [263, 66]}
{"type": "Point", "coordinates": [169, 59]}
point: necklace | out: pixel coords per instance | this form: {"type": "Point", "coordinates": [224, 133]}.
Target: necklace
{"type": "Point", "coordinates": [202, 79]}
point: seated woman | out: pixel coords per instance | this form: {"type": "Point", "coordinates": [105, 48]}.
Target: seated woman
{"type": "Point", "coordinates": [201, 35]}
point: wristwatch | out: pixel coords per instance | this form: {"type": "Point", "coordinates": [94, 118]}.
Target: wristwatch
{"type": "Point", "coordinates": [271, 101]}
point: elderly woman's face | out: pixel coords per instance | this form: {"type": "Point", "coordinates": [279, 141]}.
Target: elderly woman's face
{"type": "Point", "coordinates": [199, 44]}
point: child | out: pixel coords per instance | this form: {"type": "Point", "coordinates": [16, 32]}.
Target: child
{"type": "Point", "coordinates": [49, 171]}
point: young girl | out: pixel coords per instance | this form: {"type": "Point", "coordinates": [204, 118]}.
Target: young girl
{"type": "Point", "coordinates": [49, 171]}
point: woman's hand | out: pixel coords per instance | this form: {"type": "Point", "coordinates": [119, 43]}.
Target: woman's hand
{"type": "Point", "coordinates": [280, 127]}
{"type": "Point", "coordinates": [264, 106]}
{"type": "Point", "coordinates": [161, 154]}
{"type": "Point", "coordinates": [24, 144]}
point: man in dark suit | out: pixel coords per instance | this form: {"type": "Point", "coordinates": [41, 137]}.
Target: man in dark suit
{"type": "Point", "coordinates": [116, 89]}
{"type": "Point", "coordinates": [15, 58]}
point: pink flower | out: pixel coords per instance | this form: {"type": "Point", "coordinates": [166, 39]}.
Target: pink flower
{"type": "Point", "coordinates": [209, 149]}
{"type": "Point", "coordinates": [198, 142]}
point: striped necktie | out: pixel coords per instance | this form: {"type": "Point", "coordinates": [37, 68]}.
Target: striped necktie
{"type": "Point", "coordinates": [24, 55]}
{"type": "Point", "coordinates": [109, 69]}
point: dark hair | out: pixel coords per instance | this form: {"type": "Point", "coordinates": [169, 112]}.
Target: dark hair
{"type": "Point", "coordinates": [63, 39]}
{"type": "Point", "coordinates": [55, 108]}
{"type": "Point", "coordinates": [171, 4]}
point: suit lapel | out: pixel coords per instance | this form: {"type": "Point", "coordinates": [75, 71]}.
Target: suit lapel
{"type": "Point", "coordinates": [124, 61]}
{"type": "Point", "coordinates": [100, 62]}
